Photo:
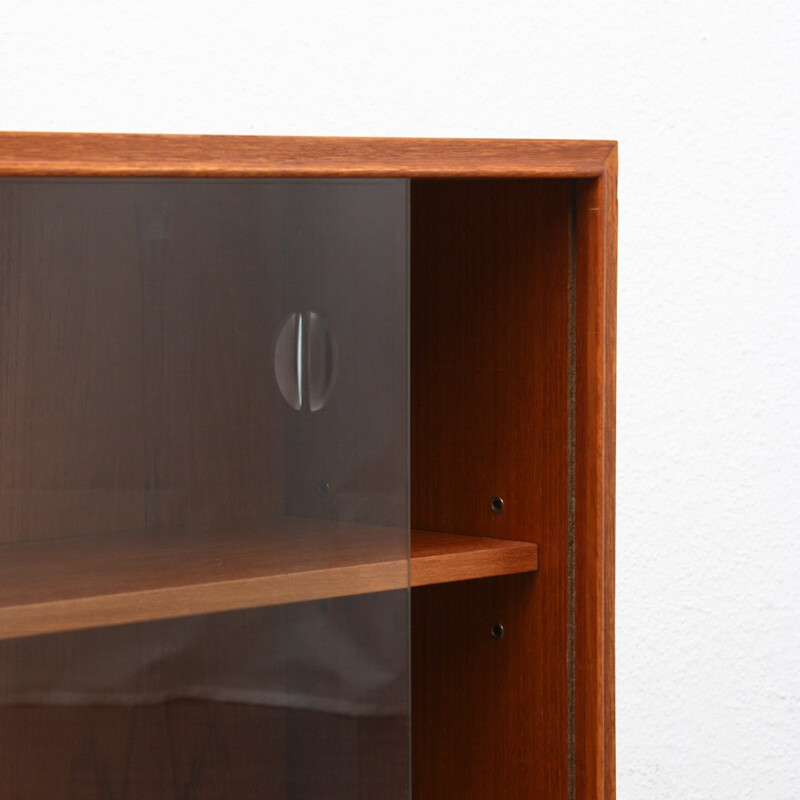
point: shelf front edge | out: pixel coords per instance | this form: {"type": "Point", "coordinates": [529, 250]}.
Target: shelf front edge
{"type": "Point", "coordinates": [435, 558]}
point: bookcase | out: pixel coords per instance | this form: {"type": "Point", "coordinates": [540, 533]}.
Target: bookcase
{"type": "Point", "coordinates": [306, 467]}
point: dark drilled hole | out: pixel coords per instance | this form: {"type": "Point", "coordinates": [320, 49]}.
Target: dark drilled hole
{"type": "Point", "coordinates": [497, 630]}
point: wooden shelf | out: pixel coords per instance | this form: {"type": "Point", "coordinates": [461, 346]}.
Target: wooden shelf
{"type": "Point", "coordinates": [86, 582]}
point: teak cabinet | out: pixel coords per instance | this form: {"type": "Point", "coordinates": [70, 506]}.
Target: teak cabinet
{"type": "Point", "coordinates": [306, 468]}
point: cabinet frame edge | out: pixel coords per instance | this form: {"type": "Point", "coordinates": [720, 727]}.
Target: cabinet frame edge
{"type": "Point", "coordinates": [170, 155]}
{"type": "Point", "coordinates": [595, 471]}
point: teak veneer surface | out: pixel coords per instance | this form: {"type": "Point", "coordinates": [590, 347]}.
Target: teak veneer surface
{"type": "Point", "coordinates": [201, 750]}
{"type": "Point", "coordinates": [489, 403]}
{"type": "Point", "coordinates": [87, 582]}
{"type": "Point", "coordinates": [295, 156]}
{"type": "Point", "coordinates": [133, 388]}
{"type": "Point", "coordinates": [595, 483]}
{"type": "Point", "coordinates": [198, 750]}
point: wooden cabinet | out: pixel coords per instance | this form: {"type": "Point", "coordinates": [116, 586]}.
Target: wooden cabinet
{"type": "Point", "coordinates": [306, 445]}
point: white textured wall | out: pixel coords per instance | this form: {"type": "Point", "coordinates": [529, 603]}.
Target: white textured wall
{"type": "Point", "coordinates": [703, 96]}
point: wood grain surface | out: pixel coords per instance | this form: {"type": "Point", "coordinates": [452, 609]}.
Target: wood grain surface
{"type": "Point", "coordinates": [136, 388]}
{"type": "Point", "coordinates": [595, 484]}
{"type": "Point", "coordinates": [489, 418]}
{"type": "Point", "coordinates": [338, 757]}
{"type": "Point", "coordinates": [172, 751]}
{"type": "Point", "coordinates": [295, 156]}
{"type": "Point", "coordinates": [94, 581]}
{"type": "Point", "coordinates": [199, 750]}
{"type": "Point", "coordinates": [446, 557]}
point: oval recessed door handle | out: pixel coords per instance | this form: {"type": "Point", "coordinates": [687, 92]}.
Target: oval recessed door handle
{"type": "Point", "coordinates": [306, 360]}
{"type": "Point", "coordinates": [322, 361]}
{"type": "Point", "coordinates": [289, 360]}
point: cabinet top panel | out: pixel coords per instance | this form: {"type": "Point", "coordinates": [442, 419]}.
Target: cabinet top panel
{"type": "Point", "coordinates": [116, 155]}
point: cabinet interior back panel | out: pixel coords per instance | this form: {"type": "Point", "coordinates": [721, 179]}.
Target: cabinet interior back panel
{"type": "Point", "coordinates": [133, 389]}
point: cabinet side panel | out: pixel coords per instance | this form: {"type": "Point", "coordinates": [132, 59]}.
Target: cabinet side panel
{"type": "Point", "coordinates": [595, 486]}
{"type": "Point", "coordinates": [489, 419]}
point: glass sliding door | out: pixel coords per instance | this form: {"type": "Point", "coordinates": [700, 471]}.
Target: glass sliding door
{"type": "Point", "coordinates": [204, 563]}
